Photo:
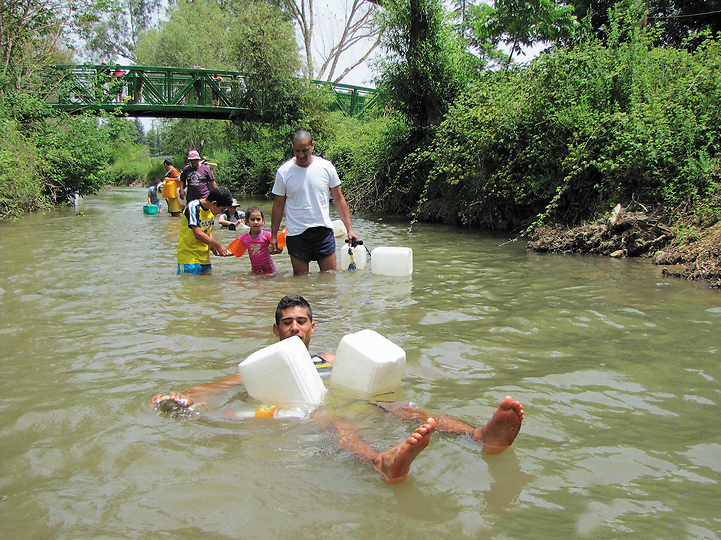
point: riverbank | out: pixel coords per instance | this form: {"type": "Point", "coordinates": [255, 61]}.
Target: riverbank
{"type": "Point", "coordinates": [638, 234]}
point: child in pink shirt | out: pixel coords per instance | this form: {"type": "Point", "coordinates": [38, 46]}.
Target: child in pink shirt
{"type": "Point", "coordinates": [257, 241]}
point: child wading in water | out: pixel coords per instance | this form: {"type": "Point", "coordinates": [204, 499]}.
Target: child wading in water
{"type": "Point", "coordinates": [257, 241]}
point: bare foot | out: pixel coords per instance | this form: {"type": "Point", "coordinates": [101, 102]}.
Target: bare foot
{"type": "Point", "coordinates": [395, 463]}
{"type": "Point", "coordinates": [501, 430]}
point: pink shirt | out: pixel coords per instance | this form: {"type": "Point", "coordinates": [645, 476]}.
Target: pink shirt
{"type": "Point", "coordinates": [260, 260]}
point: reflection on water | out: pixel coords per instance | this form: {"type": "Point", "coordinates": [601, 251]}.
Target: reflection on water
{"type": "Point", "coordinates": [617, 368]}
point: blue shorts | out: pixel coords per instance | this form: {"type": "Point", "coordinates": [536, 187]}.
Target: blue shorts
{"type": "Point", "coordinates": [314, 244]}
{"type": "Point", "coordinates": [194, 269]}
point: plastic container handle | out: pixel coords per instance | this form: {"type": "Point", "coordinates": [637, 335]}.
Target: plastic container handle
{"type": "Point", "coordinates": [237, 247]}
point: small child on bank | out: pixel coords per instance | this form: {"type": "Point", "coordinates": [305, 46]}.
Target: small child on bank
{"type": "Point", "coordinates": [195, 240]}
{"type": "Point", "coordinates": [257, 241]}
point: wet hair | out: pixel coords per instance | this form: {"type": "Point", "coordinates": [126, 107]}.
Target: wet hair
{"type": "Point", "coordinates": [302, 135]}
{"type": "Point", "coordinates": [253, 209]}
{"type": "Point", "coordinates": [289, 301]}
{"type": "Point", "coordinates": [220, 196]}
{"type": "Point", "coordinates": [168, 161]}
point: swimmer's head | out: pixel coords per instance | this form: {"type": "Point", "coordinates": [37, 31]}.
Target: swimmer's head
{"type": "Point", "coordinates": [294, 317]}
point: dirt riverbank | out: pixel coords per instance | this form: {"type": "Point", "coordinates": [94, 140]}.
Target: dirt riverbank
{"type": "Point", "coordinates": [638, 234]}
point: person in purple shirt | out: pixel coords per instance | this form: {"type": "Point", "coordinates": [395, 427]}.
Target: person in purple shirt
{"type": "Point", "coordinates": [196, 180]}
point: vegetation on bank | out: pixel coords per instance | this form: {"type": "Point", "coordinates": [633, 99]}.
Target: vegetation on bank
{"type": "Point", "coordinates": [616, 112]}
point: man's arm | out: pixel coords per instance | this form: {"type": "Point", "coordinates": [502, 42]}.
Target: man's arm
{"type": "Point", "coordinates": [203, 391]}
{"type": "Point", "coordinates": [211, 177]}
{"type": "Point", "coordinates": [343, 212]}
{"type": "Point", "coordinates": [276, 215]}
{"type": "Point", "coordinates": [223, 221]}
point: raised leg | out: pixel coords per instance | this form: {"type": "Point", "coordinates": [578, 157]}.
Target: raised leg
{"type": "Point", "coordinates": [495, 436]}
{"type": "Point", "coordinates": [393, 464]}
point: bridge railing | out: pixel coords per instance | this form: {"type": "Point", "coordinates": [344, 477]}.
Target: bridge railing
{"type": "Point", "coordinates": [178, 92]}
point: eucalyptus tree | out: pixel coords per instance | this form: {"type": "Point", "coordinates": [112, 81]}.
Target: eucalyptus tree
{"type": "Point", "coordinates": [113, 27]}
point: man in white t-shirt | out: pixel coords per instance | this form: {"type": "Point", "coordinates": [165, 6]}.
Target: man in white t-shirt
{"type": "Point", "coordinates": [303, 187]}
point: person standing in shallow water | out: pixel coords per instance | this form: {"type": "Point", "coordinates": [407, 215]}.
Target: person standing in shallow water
{"type": "Point", "coordinates": [294, 317]}
{"type": "Point", "coordinates": [196, 179]}
{"type": "Point", "coordinates": [302, 188]}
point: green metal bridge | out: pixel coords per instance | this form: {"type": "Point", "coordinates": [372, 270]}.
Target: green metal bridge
{"type": "Point", "coordinates": [164, 92]}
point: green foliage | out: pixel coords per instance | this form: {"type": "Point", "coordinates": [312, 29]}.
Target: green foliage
{"type": "Point", "coordinates": [675, 23]}
{"type": "Point", "coordinates": [21, 187]}
{"type": "Point", "coordinates": [581, 130]}
{"type": "Point", "coordinates": [112, 29]}
{"type": "Point", "coordinates": [130, 163]}
{"type": "Point", "coordinates": [426, 67]}
{"type": "Point", "coordinates": [358, 152]}
{"type": "Point", "coordinates": [519, 23]}
{"type": "Point", "coordinates": [256, 159]}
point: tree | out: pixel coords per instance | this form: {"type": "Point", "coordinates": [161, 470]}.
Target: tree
{"type": "Point", "coordinates": [357, 27]}
{"type": "Point", "coordinates": [425, 67]}
{"type": "Point", "coordinates": [519, 23]}
{"type": "Point", "coordinates": [112, 29]}
{"type": "Point", "coordinates": [31, 32]}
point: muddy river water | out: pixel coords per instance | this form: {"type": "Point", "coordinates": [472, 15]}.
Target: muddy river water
{"type": "Point", "coordinates": [617, 367]}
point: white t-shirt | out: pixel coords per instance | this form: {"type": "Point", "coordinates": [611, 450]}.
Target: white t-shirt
{"type": "Point", "coordinates": [307, 192]}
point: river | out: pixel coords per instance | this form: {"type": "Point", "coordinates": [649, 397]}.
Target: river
{"type": "Point", "coordinates": [617, 368]}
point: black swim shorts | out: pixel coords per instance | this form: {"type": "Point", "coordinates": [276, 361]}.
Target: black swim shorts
{"type": "Point", "coordinates": [314, 244]}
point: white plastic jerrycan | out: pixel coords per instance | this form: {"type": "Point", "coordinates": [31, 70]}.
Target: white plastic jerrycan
{"type": "Point", "coordinates": [339, 230]}
{"type": "Point", "coordinates": [367, 363]}
{"type": "Point", "coordinates": [353, 258]}
{"type": "Point", "coordinates": [392, 261]}
{"type": "Point", "coordinates": [282, 374]}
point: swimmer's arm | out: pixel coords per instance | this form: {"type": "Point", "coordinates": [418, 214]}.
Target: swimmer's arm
{"type": "Point", "coordinates": [197, 393]}
{"type": "Point", "coordinates": [223, 221]}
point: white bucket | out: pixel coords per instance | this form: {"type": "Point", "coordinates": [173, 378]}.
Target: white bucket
{"type": "Point", "coordinates": [339, 229]}
{"type": "Point", "coordinates": [282, 374]}
{"type": "Point", "coordinates": [241, 228]}
{"type": "Point", "coordinates": [358, 256]}
{"type": "Point", "coordinates": [182, 200]}
{"type": "Point", "coordinates": [392, 261]}
{"type": "Point", "coordinates": [366, 363]}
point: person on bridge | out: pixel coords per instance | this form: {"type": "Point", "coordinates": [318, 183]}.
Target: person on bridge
{"type": "Point", "coordinates": [294, 317]}
{"type": "Point", "coordinates": [196, 180]}
{"type": "Point", "coordinates": [302, 188]}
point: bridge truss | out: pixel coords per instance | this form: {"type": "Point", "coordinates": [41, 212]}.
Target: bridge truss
{"type": "Point", "coordinates": [164, 92]}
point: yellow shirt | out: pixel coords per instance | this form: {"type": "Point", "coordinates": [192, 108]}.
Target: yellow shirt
{"type": "Point", "coordinates": [190, 249]}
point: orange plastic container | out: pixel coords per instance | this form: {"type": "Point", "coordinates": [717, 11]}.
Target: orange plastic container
{"type": "Point", "coordinates": [281, 237]}
{"type": "Point", "coordinates": [237, 247]}
{"type": "Point", "coordinates": [265, 411]}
